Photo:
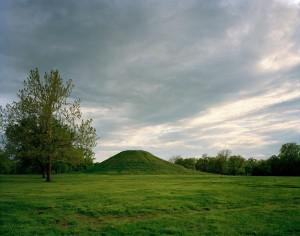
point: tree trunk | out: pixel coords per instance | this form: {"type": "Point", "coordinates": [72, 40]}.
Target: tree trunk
{"type": "Point", "coordinates": [48, 179]}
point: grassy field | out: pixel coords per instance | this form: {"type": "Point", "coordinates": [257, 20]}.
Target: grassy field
{"type": "Point", "coordinates": [91, 204]}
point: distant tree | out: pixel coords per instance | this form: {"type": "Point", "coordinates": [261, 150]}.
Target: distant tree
{"type": "Point", "coordinates": [262, 167]}
{"type": "Point", "coordinates": [290, 159]}
{"type": "Point", "coordinates": [235, 165]}
{"type": "Point", "coordinates": [202, 164]}
{"type": "Point", "coordinates": [212, 165]}
{"type": "Point", "coordinates": [290, 151]}
{"type": "Point", "coordinates": [49, 121]}
{"type": "Point", "coordinates": [204, 155]}
{"type": "Point", "coordinates": [276, 165]}
{"type": "Point", "coordinates": [250, 165]}
{"type": "Point", "coordinates": [221, 161]}
{"type": "Point", "coordinates": [174, 158]}
{"type": "Point", "coordinates": [224, 153]}
{"type": "Point", "coordinates": [188, 163]}
{"type": "Point", "coordinates": [286, 163]}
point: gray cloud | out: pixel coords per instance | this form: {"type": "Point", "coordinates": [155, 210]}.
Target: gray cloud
{"type": "Point", "coordinates": [141, 66]}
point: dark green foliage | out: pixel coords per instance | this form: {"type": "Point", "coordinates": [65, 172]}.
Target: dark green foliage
{"type": "Point", "coordinates": [189, 163]}
{"type": "Point", "coordinates": [290, 159]}
{"type": "Point", "coordinates": [7, 165]}
{"type": "Point", "coordinates": [235, 165]}
{"type": "Point", "coordinates": [23, 144]}
{"type": "Point", "coordinates": [275, 164]}
{"type": "Point", "coordinates": [203, 164]}
{"type": "Point", "coordinates": [137, 161]}
{"type": "Point", "coordinates": [262, 167]}
{"type": "Point", "coordinates": [286, 163]}
{"type": "Point", "coordinates": [249, 166]}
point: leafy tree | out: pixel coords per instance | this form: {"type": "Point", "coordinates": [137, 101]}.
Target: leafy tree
{"type": "Point", "coordinates": [286, 163]}
{"type": "Point", "coordinates": [24, 145]}
{"type": "Point", "coordinates": [188, 163]}
{"type": "Point", "coordinates": [86, 140]}
{"type": "Point", "coordinates": [45, 125]}
{"type": "Point", "coordinates": [262, 167]}
{"type": "Point", "coordinates": [290, 151]}
{"type": "Point", "coordinates": [290, 159]}
{"type": "Point", "coordinates": [250, 165]}
{"type": "Point", "coordinates": [7, 166]}
{"type": "Point", "coordinates": [225, 153]}
{"type": "Point", "coordinates": [221, 161]}
{"type": "Point", "coordinates": [174, 158]}
{"type": "Point", "coordinates": [276, 165]}
{"type": "Point", "coordinates": [235, 165]}
{"type": "Point", "coordinates": [203, 164]}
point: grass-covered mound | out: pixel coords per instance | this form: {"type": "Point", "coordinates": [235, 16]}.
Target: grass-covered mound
{"type": "Point", "coordinates": [137, 162]}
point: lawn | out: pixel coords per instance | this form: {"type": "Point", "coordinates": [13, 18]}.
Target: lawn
{"type": "Point", "coordinates": [91, 204]}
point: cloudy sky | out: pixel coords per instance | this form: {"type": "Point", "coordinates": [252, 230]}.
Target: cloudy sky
{"type": "Point", "coordinates": [172, 77]}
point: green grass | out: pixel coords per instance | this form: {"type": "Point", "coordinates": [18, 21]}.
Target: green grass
{"type": "Point", "coordinates": [91, 204]}
{"type": "Point", "coordinates": [137, 162]}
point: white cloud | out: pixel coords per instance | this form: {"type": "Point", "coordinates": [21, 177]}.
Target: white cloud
{"type": "Point", "coordinates": [292, 3]}
{"type": "Point", "coordinates": [172, 77]}
{"type": "Point", "coordinates": [283, 59]}
{"type": "Point", "coordinates": [245, 106]}
{"type": "Point", "coordinates": [230, 125]}
{"type": "Point", "coordinates": [282, 51]}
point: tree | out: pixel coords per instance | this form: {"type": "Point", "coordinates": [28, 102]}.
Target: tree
{"type": "Point", "coordinates": [276, 165]}
{"type": "Point", "coordinates": [24, 145]}
{"type": "Point", "coordinates": [221, 161]}
{"type": "Point", "coordinates": [250, 165]}
{"type": "Point", "coordinates": [224, 153]}
{"type": "Point", "coordinates": [7, 166]}
{"type": "Point", "coordinates": [290, 158]}
{"type": "Point", "coordinates": [290, 151]}
{"type": "Point", "coordinates": [188, 163]}
{"type": "Point", "coordinates": [202, 164]}
{"type": "Point", "coordinates": [235, 165]}
{"type": "Point", "coordinates": [262, 167]}
{"type": "Point", "coordinates": [174, 158]}
{"type": "Point", "coordinates": [50, 120]}
{"type": "Point", "coordinates": [86, 140]}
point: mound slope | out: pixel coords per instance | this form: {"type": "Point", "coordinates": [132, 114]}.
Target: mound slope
{"type": "Point", "coordinates": [137, 162]}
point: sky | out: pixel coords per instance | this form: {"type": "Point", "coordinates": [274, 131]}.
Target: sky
{"type": "Point", "coordinates": [171, 77]}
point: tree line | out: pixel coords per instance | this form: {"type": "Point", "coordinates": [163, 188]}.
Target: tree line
{"type": "Point", "coordinates": [286, 163]}
{"type": "Point", "coordinates": [44, 131]}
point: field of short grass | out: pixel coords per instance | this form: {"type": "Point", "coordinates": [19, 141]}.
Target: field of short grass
{"type": "Point", "coordinates": [91, 204]}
